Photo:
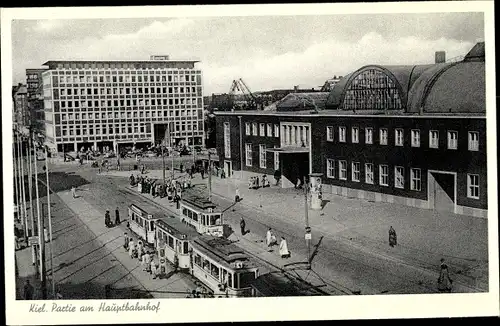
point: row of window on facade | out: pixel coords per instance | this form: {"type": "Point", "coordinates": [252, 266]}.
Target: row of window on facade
{"type": "Point", "coordinates": [383, 176]}
{"type": "Point", "coordinates": [262, 157]}
{"type": "Point", "coordinates": [193, 102]}
{"type": "Point", "coordinates": [126, 78]}
{"type": "Point", "coordinates": [473, 137]}
{"type": "Point", "coordinates": [125, 90]}
{"type": "Point", "coordinates": [124, 129]}
{"type": "Point", "coordinates": [251, 129]}
{"type": "Point", "coordinates": [122, 115]}
{"type": "Point", "coordinates": [114, 65]}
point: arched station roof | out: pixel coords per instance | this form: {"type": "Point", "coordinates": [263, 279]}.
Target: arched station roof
{"type": "Point", "coordinates": [455, 87]}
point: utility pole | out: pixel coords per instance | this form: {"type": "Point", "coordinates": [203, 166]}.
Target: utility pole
{"type": "Point", "coordinates": [32, 208]}
{"type": "Point", "coordinates": [308, 229]}
{"type": "Point", "coordinates": [21, 208]}
{"type": "Point", "coordinates": [23, 192]}
{"type": "Point", "coordinates": [209, 176]}
{"type": "Point", "coordinates": [50, 223]}
{"type": "Point", "coordinates": [41, 240]}
{"type": "Point", "coordinates": [163, 160]}
{"type": "Point", "coordinates": [16, 175]}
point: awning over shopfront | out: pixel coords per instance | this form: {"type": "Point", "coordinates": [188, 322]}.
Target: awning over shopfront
{"type": "Point", "coordinates": [288, 149]}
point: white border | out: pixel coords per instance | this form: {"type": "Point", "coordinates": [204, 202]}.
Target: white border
{"type": "Point", "coordinates": [309, 308]}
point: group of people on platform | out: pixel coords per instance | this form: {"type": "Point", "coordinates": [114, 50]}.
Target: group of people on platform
{"type": "Point", "coordinates": [107, 218]}
{"type": "Point", "coordinates": [144, 255]}
{"type": "Point", "coordinates": [253, 182]}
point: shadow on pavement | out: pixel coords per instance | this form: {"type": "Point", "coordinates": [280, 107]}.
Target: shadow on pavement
{"type": "Point", "coordinates": [59, 181]}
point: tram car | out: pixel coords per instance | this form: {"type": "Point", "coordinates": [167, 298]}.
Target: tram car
{"type": "Point", "coordinates": [142, 223]}
{"type": "Point", "coordinates": [172, 239]}
{"type": "Point", "coordinates": [223, 267]}
{"type": "Point", "coordinates": [201, 214]}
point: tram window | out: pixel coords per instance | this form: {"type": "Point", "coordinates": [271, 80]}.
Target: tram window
{"type": "Point", "coordinates": [206, 265]}
{"type": "Point", "coordinates": [215, 219]}
{"type": "Point", "coordinates": [197, 259]}
{"type": "Point", "coordinates": [190, 214]}
{"type": "Point", "coordinates": [195, 216]}
{"type": "Point", "coordinates": [246, 279]}
{"type": "Point", "coordinates": [230, 280]}
{"type": "Point", "coordinates": [162, 252]}
{"type": "Point", "coordinates": [171, 242]}
{"type": "Point", "coordinates": [185, 245]}
{"type": "Point", "coordinates": [133, 217]}
{"type": "Point", "coordinates": [214, 271]}
{"type": "Point", "coordinates": [185, 211]}
{"type": "Point", "coordinates": [151, 225]}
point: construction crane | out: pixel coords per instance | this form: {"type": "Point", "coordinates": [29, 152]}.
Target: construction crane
{"type": "Point", "coordinates": [251, 102]}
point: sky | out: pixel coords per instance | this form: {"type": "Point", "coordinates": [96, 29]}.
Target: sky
{"type": "Point", "coordinates": [267, 52]}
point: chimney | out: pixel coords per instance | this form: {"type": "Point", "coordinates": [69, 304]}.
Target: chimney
{"type": "Point", "coordinates": [440, 57]}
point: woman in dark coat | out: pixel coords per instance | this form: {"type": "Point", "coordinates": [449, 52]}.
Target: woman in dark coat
{"type": "Point", "coordinates": [393, 238]}
{"type": "Point", "coordinates": [444, 280]}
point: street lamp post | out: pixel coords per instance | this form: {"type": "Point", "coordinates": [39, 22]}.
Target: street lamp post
{"type": "Point", "coordinates": [23, 192]}
{"type": "Point", "coordinates": [32, 209]}
{"type": "Point", "coordinates": [41, 240]}
{"type": "Point", "coordinates": [308, 229]}
{"type": "Point", "coordinates": [209, 176]}
{"type": "Point", "coordinates": [50, 222]}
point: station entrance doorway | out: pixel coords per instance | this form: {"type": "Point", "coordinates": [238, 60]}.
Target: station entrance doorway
{"type": "Point", "coordinates": [442, 190]}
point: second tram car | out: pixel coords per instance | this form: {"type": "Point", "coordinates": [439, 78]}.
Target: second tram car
{"type": "Point", "coordinates": [223, 267]}
{"type": "Point", "coordinates": [201, 214]}
{"type": "Point", "coordinates": [142, 223]}
{"type": "Point", "coordinates": [172, 240]}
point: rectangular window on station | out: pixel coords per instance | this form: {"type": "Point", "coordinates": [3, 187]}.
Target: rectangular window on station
{"type": "Point", "coordinates": [269, 130]}
{"type": "Point", "coordinates": [330, 168]}
{"type": "Point", "coordinates": [342, 134]}
{"type": "Point", "coordinates": [384, 175]}
{"type": "Point", "coordinates": [383, 136]}
{"type": "Point", "coordinates": [355, 172]}
{"type": "Point", "coordinates": [473, 141]}
{"type": "Point", "coordinates": [355, 135]}
{"type": "Point", "coordinates": [254, 129]}
{"type": "Point", "coordinates": [262, 156]}
{"type": "Point", "coordinates": [329, 133]}
{"type": "Point", "coordinates": [473, 186]}
{"type": "Point", "coordinates": [434, 139]}
{"type": "Point", "coordinates": [399, 177]}
{"type": "Point", "coordinates": [369, 173]}
{"type": "Point", "coordinates": [343, 170]}
{"type": "Point", "coordinates": [369, 135]}
{"type": "Point", "coordinates": [276, 130]}
{"type": "Point", "coordinates": [248, 154]}
{"type": "Point", "coordinates": [415, 138]}
{"type": "Point", "coordinates": [262, 130]}
{"type": "Point", "coordinates": [398, 137]}
{"type": "Point", "coordinates": [415, 179]}
{"type": "Point", "coordinates": [452, 139]}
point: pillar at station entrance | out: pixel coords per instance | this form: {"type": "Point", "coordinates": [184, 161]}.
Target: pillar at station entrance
{"type": "Point", "coordinates": [316, 191]}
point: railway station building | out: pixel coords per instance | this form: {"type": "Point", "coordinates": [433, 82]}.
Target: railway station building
{"type": "Point", "coordinates": [110, 104]}
{"type": "Point", "coordinates": [413, 135]}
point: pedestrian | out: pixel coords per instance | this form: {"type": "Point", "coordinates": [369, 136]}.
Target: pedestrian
{"type": "Point", "coordinates": [153, 269]}
{"type": "Point", "coordinates": [270, 238]}
{"type": "Point", "coordinates": [16, 239]}
{"type": "Point", "coordinates": [237, 195]}
{"type": "Point", "coordinates": [126, 241]}
{"type": "Point", "coordinates": [444, 281]}
{"type": "Point", "coordinates": [298, 185]}
{"type": "Point", "coordinates": [46, 235]}
{"type": "Point", "coordinates": [393, 238]}
{"type": "Point", "coordinates": [73, 191]}
{"type": "Point", "coordinates": [146, 262]}
{"type": "Point", "coordinates": [202, 172]}
{"type": "Point", "coordinates": [107, 219]}
{"type": "Point", "coordinates": [131, 248]}
{"type": "Point", "coordinates": [140, 247]}
{"type": "Point", "coordinates": [242, 226]}
{"type": "Point", "coordinates": [284, 253]}
{"type": "Point", "coordinates": [28, 291]}
{"type": "Point", "coordinates": [117, 216]}
{"type": "Point", "coordinates": [176, 263]}
{"type": "Point", "coordinates": [118, 167]}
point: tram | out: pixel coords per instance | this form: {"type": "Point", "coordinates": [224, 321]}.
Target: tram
{"type": "Point", "coordinates": [223, 267]}
{"type": "Point", "coordinates": [172, 240]}
{"type": "Point", "coordinates": [142, 223]}
{"type": "Point", "coordinates": [201, 214]}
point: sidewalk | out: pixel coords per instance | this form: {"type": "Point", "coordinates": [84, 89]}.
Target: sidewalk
{"type": "Point", "coordinates": [424, 236]}
{"type": "Point", "coordinates": [26, 271]}
{"type": "Point", "coordinates": [111, 239]}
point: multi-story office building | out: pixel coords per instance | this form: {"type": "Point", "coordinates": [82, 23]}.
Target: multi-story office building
{"type": "Point", "coordinates": [413, 135]}
{"type": "Point", "coordinates": [35, 98]}
{"type": "Point", "coordinates": [109, 104]}
{"type": "Point", "coordinates": [20, 109]}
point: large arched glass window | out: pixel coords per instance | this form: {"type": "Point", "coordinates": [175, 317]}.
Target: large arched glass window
{"type": "Point", "coordinates": [372, 90]}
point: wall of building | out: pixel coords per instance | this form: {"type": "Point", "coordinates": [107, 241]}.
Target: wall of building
{"type": "Point", "coordinates": [460, 161]}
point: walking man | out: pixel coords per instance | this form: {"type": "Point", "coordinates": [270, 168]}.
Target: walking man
{"type": "Point", "coordinates": [73, 192]}
{"type": "Point", "coordinates": [28, 291]}
{"type": "Point", "coordinates": [118, 164]}
{"type": "Point", "coordinates": [237, 195]}
{"type": "Point", "coordinates": [242, 226]}
{"type": "Point", "coordinates": [117, 216]}
{"type": "Point", "coordinates": [107, 219]}
{"type": "Point", "coordinates": [284, 253]}
{"type": "Point", "coordinates": [126, 239]}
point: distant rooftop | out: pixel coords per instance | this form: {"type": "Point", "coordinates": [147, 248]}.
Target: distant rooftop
{"type": "Point", "coordinates": [135, 64]}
